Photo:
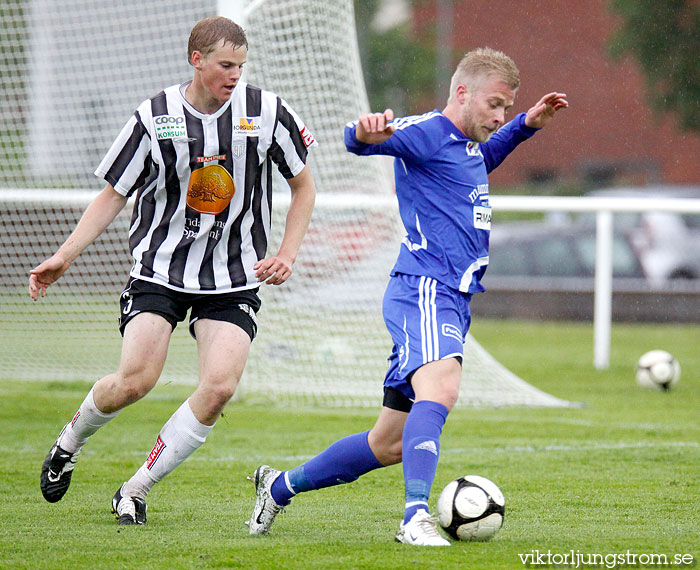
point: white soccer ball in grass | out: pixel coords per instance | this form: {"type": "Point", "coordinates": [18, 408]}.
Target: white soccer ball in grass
{"type": "Point", "coordinates": [658, 369]}
{"type": "Point", "coordinates": [471, 508]}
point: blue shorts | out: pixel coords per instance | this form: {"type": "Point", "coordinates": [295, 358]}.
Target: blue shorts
{"type": "Point", "coordinates": [427, 321]}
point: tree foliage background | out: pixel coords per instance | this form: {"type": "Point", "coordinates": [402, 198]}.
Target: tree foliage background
{"type": "Point", "coordinates": [398, 67]}
{"type": "Point", "coordinates": [664, 37]}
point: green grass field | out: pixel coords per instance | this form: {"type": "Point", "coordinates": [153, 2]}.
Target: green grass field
{"type": "Point", "coordinates": [619, 475]}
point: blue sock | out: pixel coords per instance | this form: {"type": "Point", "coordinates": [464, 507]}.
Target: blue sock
{"type": "Point", "coordinates": [421, 449]}
{"type": "Point", "coordinates": [343, 462]}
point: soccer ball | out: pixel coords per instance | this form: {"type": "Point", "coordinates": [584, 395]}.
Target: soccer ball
{"type": "Point", "coordinates": [471, 508]}
{"type": "Point", "coordinates": [658, 369]}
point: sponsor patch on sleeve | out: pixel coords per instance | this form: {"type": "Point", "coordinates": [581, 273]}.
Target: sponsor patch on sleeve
{"type": "Point", "coordinates": [307, 137]}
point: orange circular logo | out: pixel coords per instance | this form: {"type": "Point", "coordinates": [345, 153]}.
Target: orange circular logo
{"type": "Point", "coordinates": [210, 189]}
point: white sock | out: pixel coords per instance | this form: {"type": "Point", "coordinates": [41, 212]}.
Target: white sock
{"type": "Point", "coordinates": [87, 420]}
{"type": "Point", "coordinates": [181, 435]}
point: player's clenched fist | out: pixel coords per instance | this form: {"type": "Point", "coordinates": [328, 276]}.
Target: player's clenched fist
{"type": "Point", "coordinates": [374, 128]}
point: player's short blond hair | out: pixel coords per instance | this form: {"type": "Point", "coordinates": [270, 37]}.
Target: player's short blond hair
{"type": "Point", "coordinates": [210, 31]}
{"type": "Point", "coordinates": [479, 64]}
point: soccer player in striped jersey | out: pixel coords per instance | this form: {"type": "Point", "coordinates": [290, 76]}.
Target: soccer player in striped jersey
{"type": "Point", "coordinates": [442, 160]}
{"type": "Point", "coordinates": [198, 160]}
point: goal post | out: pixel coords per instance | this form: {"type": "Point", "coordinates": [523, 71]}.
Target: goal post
{"type": "Point", "coordinates": [321, 339]}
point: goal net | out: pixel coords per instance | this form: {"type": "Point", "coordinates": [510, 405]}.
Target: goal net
{"type": "Point", "coordinates": [76, 71]}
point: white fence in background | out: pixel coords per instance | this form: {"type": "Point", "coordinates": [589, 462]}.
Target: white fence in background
{"type": "Point", "coordinates": [602, 207]}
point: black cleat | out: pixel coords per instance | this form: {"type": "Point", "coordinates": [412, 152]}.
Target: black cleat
{"type": "Point", "coordinates": [129, 510]}
{"type": "Point", "coordinates": [56, 472]}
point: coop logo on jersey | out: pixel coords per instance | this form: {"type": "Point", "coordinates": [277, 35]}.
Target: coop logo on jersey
{"type": "Point", "coordinates": [482, 217]}
{"type": "Point", "coordinates": [307, 137]}
{"type": "Point", "coordinates": [248, 126]}
{"type": "Point", "coordinates": [170, 127]}
{"type": "Point", "coordinates": [155, 453]}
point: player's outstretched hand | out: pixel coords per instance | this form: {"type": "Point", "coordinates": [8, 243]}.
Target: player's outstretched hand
{"type": "Point", "coordinates": [544, 110]}
{"type": "Point", "coordinates": [375, 128]}
{"type": "Point", "coordinates": [44, 274]}
{"type": "Point", "coordinates": [273, 270]}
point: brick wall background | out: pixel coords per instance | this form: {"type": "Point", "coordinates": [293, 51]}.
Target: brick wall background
{"type": "Point", "coordinates": [609, 135]}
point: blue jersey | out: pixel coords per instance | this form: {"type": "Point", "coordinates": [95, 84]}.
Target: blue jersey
{"type": "Point", "coordinates": [443, 192]}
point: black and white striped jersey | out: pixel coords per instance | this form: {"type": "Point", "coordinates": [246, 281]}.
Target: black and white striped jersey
{"type": "Point", "coordinates": [203, 185]}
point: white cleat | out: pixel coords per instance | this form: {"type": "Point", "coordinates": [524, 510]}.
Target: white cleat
{"type": "Point", "coordinates": [421, 530]}
{"type": "Point", "coordinates": [266, 509]}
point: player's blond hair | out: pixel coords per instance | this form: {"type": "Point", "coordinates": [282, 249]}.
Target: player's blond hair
{"type": "Point", "coordinates": [210, 31]}
{"type": "Point", "coordinates": [480, 63]}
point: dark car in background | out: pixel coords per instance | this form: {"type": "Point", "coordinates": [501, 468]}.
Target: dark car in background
{"type": "Point", "coordinates": [542, 255]}
{"type": "Point", "coordinates": [546, 270]}
{"type": "Point", "coordinates": [667, 243]}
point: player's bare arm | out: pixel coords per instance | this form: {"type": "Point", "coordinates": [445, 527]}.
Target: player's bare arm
{"type": "Point", "coordinates": [374, 128]}
{"type": "Point", "coordinates": [98, 215]}
{"type": "Point", "coordinates": [277, 269]}
{"type": "Point", "coordinates": [544, 110]}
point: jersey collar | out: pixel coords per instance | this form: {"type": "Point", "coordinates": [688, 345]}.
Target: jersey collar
{"type": "Point", "coordinates": [220, 111]}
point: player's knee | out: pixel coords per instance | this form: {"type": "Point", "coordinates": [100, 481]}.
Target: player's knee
{"type": "Point", "coordinates": [139, 375]}
{"type": "Point", "coordinates": [438, 381]}
{"type": "Point", "coordinates": [445, 395]}
{"type": "Point", "coordinates": [219, 393]}
{"type": "Point", "coordinates": [222, 394]}
{"type": "Point", "coordinates": [446, 392]}
{"type": "Point", "coordinates": [388, 453]}
{"type": "Point", "coordinates": [133, 387]}
{"type": "Point", "coordinates": [450, 396]}
{"type": "Point", "coordinates": [393, 455]}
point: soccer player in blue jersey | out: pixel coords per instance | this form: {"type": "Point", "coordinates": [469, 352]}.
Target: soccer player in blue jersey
{"type": "Point", "coordinates": [442, 161]}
